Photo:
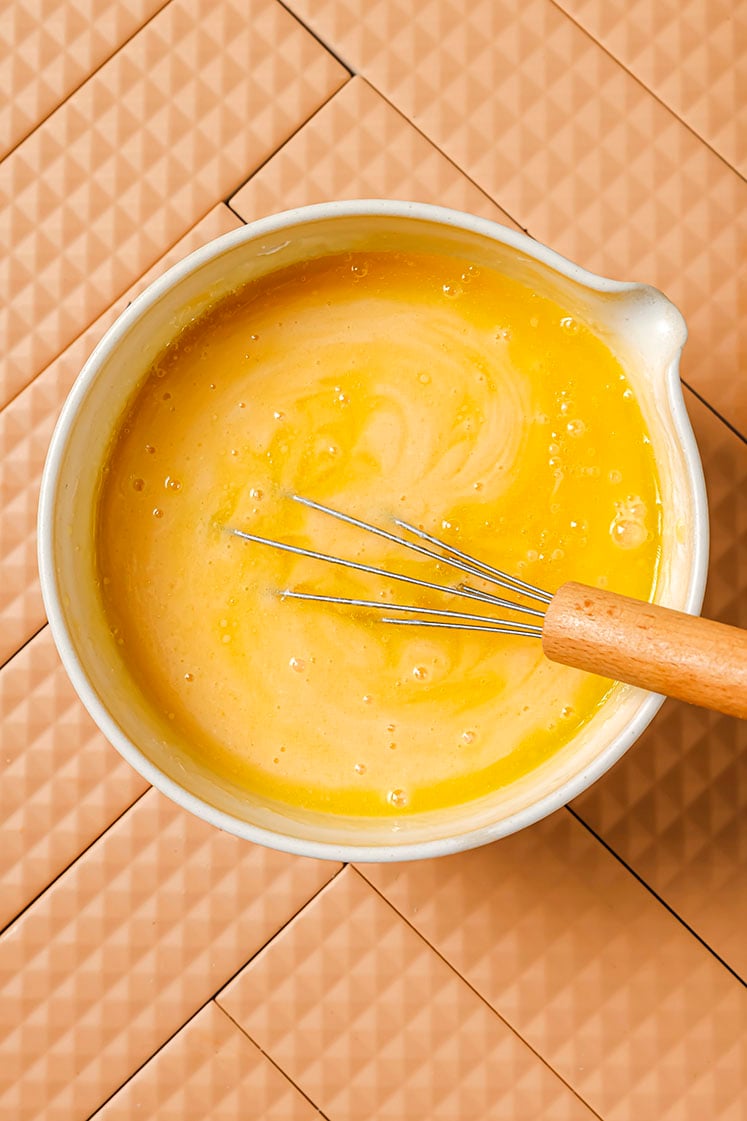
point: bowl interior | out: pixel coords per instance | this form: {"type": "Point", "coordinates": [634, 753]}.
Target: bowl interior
{"type": "Point", "coordinates": [641, 327]}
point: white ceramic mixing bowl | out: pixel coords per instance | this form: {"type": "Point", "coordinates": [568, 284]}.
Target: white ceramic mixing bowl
{"type": "Point", "coordinates": [640, 325]}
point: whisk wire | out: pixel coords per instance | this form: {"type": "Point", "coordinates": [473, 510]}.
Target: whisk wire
{"type": "Point", "coordinates": [534, 633]}
{"type": "Point", "coordinates": [450, 556]}
{"type": "Point", "coordinates": [485, 571]}
{"type": "Point", "coordinates": [377, 605]}
{"type": "Point", "coordinates": [358, 566]}
{"type": "Point", "coordinates": [454, 558]}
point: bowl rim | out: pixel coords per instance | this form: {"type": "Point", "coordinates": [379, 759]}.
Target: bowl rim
{"type": "Point", "coordinates": [276, 223]}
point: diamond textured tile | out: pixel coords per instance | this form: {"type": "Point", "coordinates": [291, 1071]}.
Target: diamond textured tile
{"type": "Point", "coordinates": [370, 1023]}
{"type": "Point", "coordinates": [358, 146]}
{"type": "Point", "coordinates": [579, 958]}
{"type": "Point", "coordinates": [51, 48]}
{"type": "Point", "coordinates": [210, 1071]}
{"type": "Point", "coordinates": [61, 784]}
{"type": "Point", "coordinates": [26, 426]}
{"type": "Point", "coordinates": [171, 125]}
{"type": "Point", "coordinates": [690, 53]}
{"type": "Point", "coordinates": [675, 806]}
{"type": "Point", "coordinates": [127, 945]}
{"type": "Point", "coordinates": [575, 150]}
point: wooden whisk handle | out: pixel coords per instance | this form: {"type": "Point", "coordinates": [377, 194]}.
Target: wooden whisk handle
{"type": "Point", "coordinates": [684, 656]}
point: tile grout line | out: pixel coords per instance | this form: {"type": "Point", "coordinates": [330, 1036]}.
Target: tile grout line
{"type": "Point", "coordinates": [130, 283]}
{"type": "Point", "coordinates": [322, 42]}
{"type": "Point", "coordinates": [514, 1031]}
{"type": "Point", "coordinates": [639, 81]}
{"type": "Point", "coordinates": [83, 81]}
{"type": "Point", "coordinates": [712, 409]}
{"type": "Point", "coordinates": [277, 151]}
{"type": "Point", "coordinates": [667, 907]}
{"type": "Point", "coordinates": [153, 264]}
{"type": "Point", "coordinates": [24, 644]}
{"type": "Point", "coordinates": [270, 1058]}
{"type": "Point", "coordinates": [460, 170]}
{"type": "Point", "coordinates": [327, 884]}
{"type": "Point", "coordinates": [7, 928]}
{"type": "Point", "coordinates": [213, 998]}
{"type": "Point", "coordinates": [369, 82]}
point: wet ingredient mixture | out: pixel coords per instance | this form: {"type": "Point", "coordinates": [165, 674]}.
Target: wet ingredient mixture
{"type": "Point", "coordinates": [383, 385]}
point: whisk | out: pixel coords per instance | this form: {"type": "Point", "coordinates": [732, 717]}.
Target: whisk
{"type": "Point", "coordinates": [694, 659]}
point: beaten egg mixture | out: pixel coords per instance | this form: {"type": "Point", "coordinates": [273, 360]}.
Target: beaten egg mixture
{"type": "Point", "coordinates": [385, 385]}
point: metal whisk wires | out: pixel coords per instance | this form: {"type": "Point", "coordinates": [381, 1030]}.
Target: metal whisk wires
{"type": "Point", "coordinates": [449, 555]}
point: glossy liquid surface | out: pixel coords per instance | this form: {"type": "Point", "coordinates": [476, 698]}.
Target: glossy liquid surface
{"type": "Point", "coordinates": [386, 385]}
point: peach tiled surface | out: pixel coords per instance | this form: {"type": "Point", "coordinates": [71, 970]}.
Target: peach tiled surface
{"type": "Point", "coordinates": [209, 1071]}
{"type": "Point", "coordinates": [675, 807]}
{"type": "Point", "coordinates": [60, 786]}
{"type": "Point", "coordinates": [126, 946]}
{"type": "Point", "coordinates": [52, 48]}
{"type": "Point", "coordinates": [141, 151]}
{"type": "Point", "coordinates": [151, 967]}
{"type": "Point", "coordinates": [402, 1035]}
{"type": "Point", "coordinates": [585, 964]}
{"type": "Point", "coordinates": [690, 53]}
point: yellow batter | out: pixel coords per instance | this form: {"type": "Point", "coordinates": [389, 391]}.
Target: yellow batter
{"type": "Point", "coordinates": [384, 385]}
